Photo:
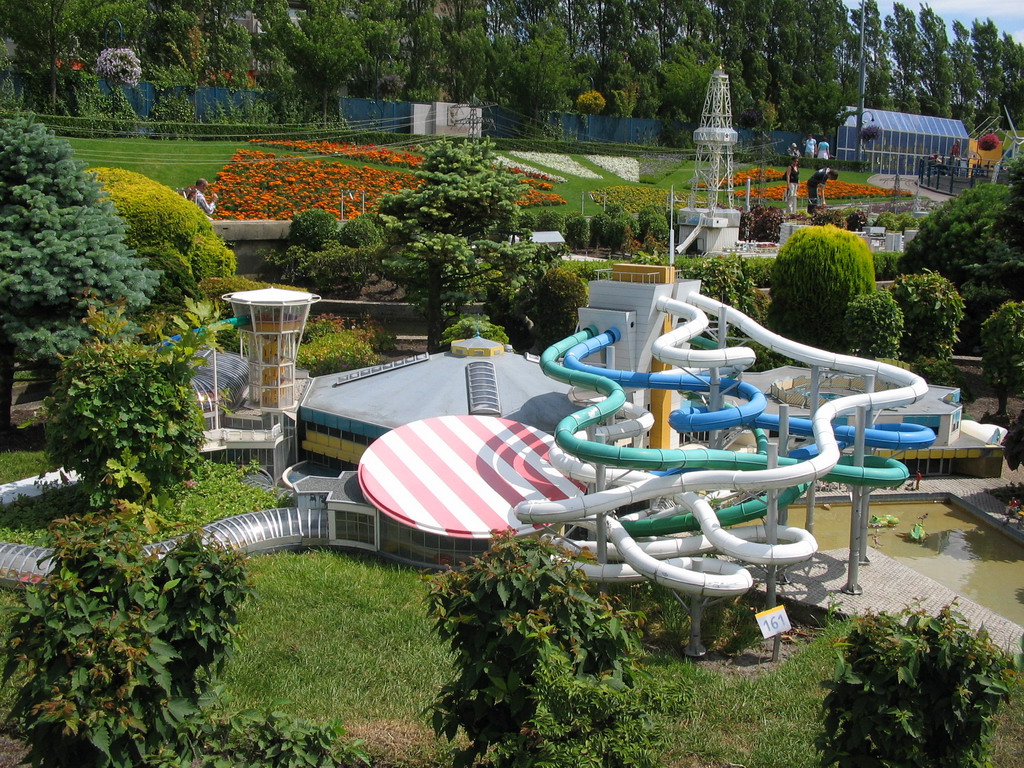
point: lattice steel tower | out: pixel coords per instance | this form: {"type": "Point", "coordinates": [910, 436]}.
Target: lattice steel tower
{"type": "Point", "coordinates": [712, 171]}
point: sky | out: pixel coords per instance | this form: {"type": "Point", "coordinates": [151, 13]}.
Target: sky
{"type": "Point", "coordinates": [1007, 14]}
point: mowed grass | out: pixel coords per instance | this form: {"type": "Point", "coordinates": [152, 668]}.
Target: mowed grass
{"type": "Point", "coordinates": [174, 162]}
{"type": "Point", "coordinates": [17, 465]}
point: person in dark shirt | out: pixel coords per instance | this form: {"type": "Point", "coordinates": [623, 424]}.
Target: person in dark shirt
{"type": "Point", "coordinates": [816, 188]}
{"type": "Point", "coordinates": [792, 177]}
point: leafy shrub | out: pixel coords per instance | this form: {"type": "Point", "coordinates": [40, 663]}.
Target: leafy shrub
{"type": "Point", "coordinates": [759, 270]}
{"type": "Point", "coordinates": [874, 325]}
{"type": "Point", "coordinates": [897, 222]}
{"type": "Point", "coordinates": [610, 231]}
{"type": "Point", "coordinates": [527, 637]}
{"type": "Point", "coordinates": [761, 223]}
{"type": "Point", "coordinates": [652, 221]}
{"type": "Point", "coordinates": [887, 264]}
{"type": "Point", "coordinates": [528, 220]}
{"type": "Point", "coordinates": [271, 739]}
{"type": "Point", "coordinates": [157, 219]}
{"type": "Point", "coordinates": [577, 231]}
{"type": "Point", "coordinates": [559, 296]}
{"type": "Point", "coordinates": [361, 232]}
{"type": "Point", "coordinates": [364, 327]}
{"type": "Point", "coordinates": [932, 311]}
{"type": "Point", "coordinates": [550, 221]}
{"type": "Point", "coordinates": [942, 373]}
{"type": "Point", "coordinates": [312, 229]}
{"type": "Point", "coordinates": [336, 352]}
{"type": "Point", "coordinates": [125, 417]}
{"type": "Point", "coordinates": [816, 274]}
{"type": "Point", "coordinates": [1002, 339]}
{"type": "Point", "coordinates": [914, 689]}
{"type": "Point", "coordinates": [856, 219]}
{"type": "Point", "coordinates": [724, 278]}
{"type": "Point", "coordinates": [115, 648]}
{"type": "Point", "coordinates": [471, 326]}
{"type": "Point", "coordinates": [826, 216]}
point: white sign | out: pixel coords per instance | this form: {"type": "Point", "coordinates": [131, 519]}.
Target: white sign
{"type": "Point", "coordinates": [773, 621]}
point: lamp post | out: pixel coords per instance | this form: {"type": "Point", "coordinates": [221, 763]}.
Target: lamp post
{"type": "Point", "coordinates": [106, 30]}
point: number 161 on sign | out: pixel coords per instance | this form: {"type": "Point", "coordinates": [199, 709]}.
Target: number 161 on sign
{"type": "Point", "coordinates": [773, 621]}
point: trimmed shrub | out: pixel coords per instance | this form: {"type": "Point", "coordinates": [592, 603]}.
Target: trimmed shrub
{"type": "Point", "coordinates": [874, 325]}
{"type": "Point", "coordinates": [336, 352]}
{"type": "Point", "coordinates": [361, 232]}
{"type": "Point", "coordinates": [816, 274]}
{"type": "Point", "coordinates": [550, 221]}
{"type": "Point", "coordinates": [312, 229]}
{"type": "Point", "coordinates": [725, 279]}
{"type": "Point", "coordinates": [1002, 340]}
{"type": "Point", "coordinates": [653, 223]}
{"type": "Point", "coordinates": [364, 328]}
{"type": "Point", "coordinates": [577, 231]}
{"type": "Point", "coordinates": [897, 222]}
{"type": "Point", "coordinates": [914, 689]}
{"type": "Point", "coordinates": [932, 311]}
{"type": "Point", "coordinates": [160, 222]}
{"type": "Point", "coordinates": [761, 223]}
{"type": "Point", "coordinates": [333, 270]}
{"type": "Point", "coordinates": [759, 270]}
{"type": "Point", "coordinates": [559, 296]}
{"type": "Point", "coordinates": [887, 264]}
{"type": "Point", "coordinates": [856, 219]}
{"type": "Point", "coordinates": [471, 326]}
{"type": "Point", "coordinates": [942, 373]}
{"type": "Point", "coordinates": [825, 216]}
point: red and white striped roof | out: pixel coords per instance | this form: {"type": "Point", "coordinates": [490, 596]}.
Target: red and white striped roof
{"type": "Point", "coordinates": [460, 475]}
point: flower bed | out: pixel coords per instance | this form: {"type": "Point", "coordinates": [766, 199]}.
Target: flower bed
{"type": "Point", "coordinates": [633, 199]}
{"type": "Point", "coordinates": [834, 190]}
{"type": "Point", "coordinates": [627, 168]}
{"type": "Point", "coordinates": [562, 163]}
{"type": "Point", "coordinates": [517, 167]}
{"type": "Point", "coordinates": [263, 185]}
{"type": "Point", "coordinates": [369, 153]}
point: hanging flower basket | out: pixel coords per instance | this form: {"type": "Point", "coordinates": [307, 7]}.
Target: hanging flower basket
{"type": "Point", "coordinates": [390, 85]}
{"type": "Point", "coordinates": [119, 66]}
{"type": "Point", "coordinates": [989, 142]}
{"type": "Point", "coordinates": [869, 133]}
{"type": "Point", "coordinates": [750, 118]}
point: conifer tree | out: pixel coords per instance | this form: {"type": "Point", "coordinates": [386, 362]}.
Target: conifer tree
{"type": "Point", "coordinates": [61, 250]}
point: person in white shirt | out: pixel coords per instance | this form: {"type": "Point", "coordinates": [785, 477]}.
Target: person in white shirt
{"type": "Point", "coordinates": [207, 204]}
{"type": "Point", "coordinates": [823, 149]}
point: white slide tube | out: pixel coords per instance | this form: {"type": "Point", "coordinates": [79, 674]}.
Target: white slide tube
{"type": "Point", "coordinates": [666, 347]}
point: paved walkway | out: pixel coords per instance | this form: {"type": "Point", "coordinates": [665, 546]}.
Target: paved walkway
{"type": "Point", "coordinates": [887, 584]}
{"type": "Point", "coordinates": [908, 184]}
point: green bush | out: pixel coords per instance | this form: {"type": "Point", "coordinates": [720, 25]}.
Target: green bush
{"type": "Point", "coordinates": [364, 328]}
{"type": "Point", "coordinates": [1002, 340]}
{"type": "Point", "coordinates": [942, 373]}
{"type": "Point", "coordinates": [115, 648]}
{"type": "Point", "coordinates": [724, 278]}
{"type": "Point", "coordinates": [759, 270]}
{"type": "Point", "coordinates": [816, 274]}
{"type": "Point", "coordinates": [856, 219]}
{"type": "Point", "coordinates": [887, 264]}
{"type": "Point", "coordinates": [559, 296]}
{"type": "Point", "coordinates": [337, 352]}
{"type": "Point", "coordinates": [159, 220]}
{"type": "Point", "coordinates": [361, 232]}
{"type": "Point", "coordinates": [577, 231]}
{"type": "Point", "coordinates": [761, 223]}
{"type": "Point", "coordinates": [312, 229]}
{"type": "Point", "coordinates": [335, 269]}
{"type": "Point", "coordinates": [874, 325]}
{"type": "Point", "coordinates": [550, 220]}
{"type": "Point", "coordinates": [471, 326]}
{"type": "Point", "coordinates": [652, 222]}
{"type": "Point", "coordinates": [897, 222]}
{"type": "Point", "coordinates": [528, 638]}
{"type": "Point", "coordinates": [914, 689]}
{"type": "Point", "coordinates": [829, 216]}
{"type": "Point", "coordinates": [932, 311]}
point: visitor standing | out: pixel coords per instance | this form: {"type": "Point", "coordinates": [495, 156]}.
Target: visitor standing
{"type": "Point", "coordinates": [823, 148]}
{"type": "Point", "coordinates": [794, 150]}
{"type": "Point", "coordinates": [207, 204]}
{"type": "Point", "coordinates": [816, 188]}
{"type": "Point", "coordinates": [810, 145]}
{"type": "Point", "coordinates": [792, 177]}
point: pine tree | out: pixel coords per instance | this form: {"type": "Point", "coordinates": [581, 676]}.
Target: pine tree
{"type": "Point", "coordinates": [61, 250]}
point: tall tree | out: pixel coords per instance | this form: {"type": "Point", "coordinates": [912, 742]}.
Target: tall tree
{"type": "Point", "coordinates": [450, 236]}
{"type": "Point", "coordinates": [422, 49]}
{"type": "Point", "coordinates": [1013, 71]}
{"type": "Point", "coordinates": [989, 66]}
{"type": "Point", "coordinates": [935, 94]}
{"type": "Point", "coordinates": [324, 48]}
{"type": "Point", "coordinates": [62, 251]}
{"type": "Point", "coordinates": [906, 50]}
{"type": "Point", "coordinates": [966, 82]}
{"type": "Point", "coordinates": [464, 29]}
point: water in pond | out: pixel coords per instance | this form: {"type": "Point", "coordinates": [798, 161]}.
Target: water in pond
{"type": "Point", "coordinates": [968, 556]}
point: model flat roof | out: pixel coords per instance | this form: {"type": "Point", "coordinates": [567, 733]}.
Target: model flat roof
{"type": "Point", "coordinates": [437, 386]}
{"type": "Point", "coordinates": [460, 475]}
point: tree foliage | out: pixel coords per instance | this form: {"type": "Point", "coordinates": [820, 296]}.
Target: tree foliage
{"type": "Point", "coordinates": [62, 251]}
{"type": "Point", "coordinates": [450, 235]}
{"type": "Point", "coordinates": [559, 296]}
{"type": "Point", "coordinates": [124, 414]}
{"type": "Point", "coordinates": [1002, 357]}
{"type": "Point", "coordinates": [874, 325]}
{"type": "Point", "coordinates": [914, 689]}
{"type": "Point", "coordinates": [932, 311]}
{"type": "Point", "coordinates": [115, 647]}
{"type": "Point", "coordinates": [544, 668]}
{"type": "Point", "coordinates": [816, 274]}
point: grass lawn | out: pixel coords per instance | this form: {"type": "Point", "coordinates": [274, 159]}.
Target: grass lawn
{"type": "Point", "coordinates": [174, 162]}
{"type": "Point", "coordinates": [18, 465]}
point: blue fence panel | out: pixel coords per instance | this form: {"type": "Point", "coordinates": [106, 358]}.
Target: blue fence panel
{"type": "Point", "coordinates": [377, 115]}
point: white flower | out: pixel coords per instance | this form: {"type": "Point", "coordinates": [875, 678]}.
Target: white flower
{"type": "Point", "coordinates": [627, 168]}
{"type": "Point", "coordinates": [119, 66]}
{"type": "Point", "coordinates": [506, 162]}
{"type": "Point", "coordinates": [562, 163]}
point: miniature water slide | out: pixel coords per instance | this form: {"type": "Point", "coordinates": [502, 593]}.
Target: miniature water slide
{"type": "Point", "coordinates": [689, 470]}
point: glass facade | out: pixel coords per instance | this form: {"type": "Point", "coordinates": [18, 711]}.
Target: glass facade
{"type": "Point", "coordinates": [904, 140]}
{"type": "Point", "coordinates": [425, 550]}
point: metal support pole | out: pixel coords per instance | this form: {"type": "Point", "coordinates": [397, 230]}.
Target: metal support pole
{"type": "Point", "coordinates": [784, 448]}
{"type": "Point", "coordinates": [672, 226]}
{"type": "Point", "coordinates": [695, 648]}
{"type": "Point", "coordinates": [772, 535]}
{"type": "Point", "coordinates": [856, 527]}
{"type": "Point", "coordinates": [865, 499]}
